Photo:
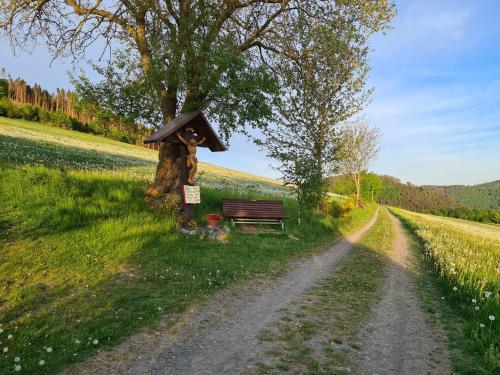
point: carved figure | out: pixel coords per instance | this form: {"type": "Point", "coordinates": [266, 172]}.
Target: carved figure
{"type": "Point", "coordinates": [192, 161]}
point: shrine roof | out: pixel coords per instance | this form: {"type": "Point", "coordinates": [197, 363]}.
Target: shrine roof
{"type": "Point", "coordinates": [197, 121]}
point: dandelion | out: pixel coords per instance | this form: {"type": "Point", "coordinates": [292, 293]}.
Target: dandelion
{"type": "Point", "coordinates": [487, 294]}
{"type": "Point", "coordinates": [492, 317]}
{"type": "Point", "coordinates": [17, 359]}
{"type": "Point", "coordinates": [6, 349]}
{"type": "Point", "coordinates": [77, 341]}
{"type": "Point", "coordinates": [481, 325]}
{"type": "Point", "coordinates": [95, 342]}
{"type": "Point", "coordinates": [476, 308]}
{"type": "Point", "coordinates": [473, 300]}
{"type": "Point", "coordinates": [10, 337]}
{"type": "Point", "coordinates": [17, 368]}
{"type": "Point", "coordinates": [49, 350]}
{"type": "Point", "coordinates": [455, 288]}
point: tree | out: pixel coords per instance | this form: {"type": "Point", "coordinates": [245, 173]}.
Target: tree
{"type": "Point", "coordinates": [322, 87]}
{"type": "Point", "coordinates": [358, 147]}
{"type": "Point", "coordinates": [371, 185]}
{"type": "Point", "coordinates": [178, 55]}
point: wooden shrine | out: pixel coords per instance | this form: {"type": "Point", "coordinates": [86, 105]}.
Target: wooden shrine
{"type": "Point", "coordinates": [190, 130]}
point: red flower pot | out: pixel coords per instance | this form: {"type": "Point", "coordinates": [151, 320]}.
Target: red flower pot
{"type": "Point", "coordinates": [213, 219]}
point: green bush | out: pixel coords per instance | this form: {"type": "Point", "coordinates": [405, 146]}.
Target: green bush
{"type": "Point", "coordinates": [336, 208]}
{"type": "Point", "coordinates": [9, 109]}
{"type": "Point", "coordinates": [28, 112]}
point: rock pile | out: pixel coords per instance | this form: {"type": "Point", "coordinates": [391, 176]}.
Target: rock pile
{"type": "Point", "coordinates": [214, 232]}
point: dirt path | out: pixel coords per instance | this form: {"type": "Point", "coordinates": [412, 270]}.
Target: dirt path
{"type": "Point", "coordinates": [397, 338]}
{"type": "Point", "coordinates": [220, 336]}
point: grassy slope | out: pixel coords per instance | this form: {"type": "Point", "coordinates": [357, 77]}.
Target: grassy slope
{"type": "Point", "coordinates": [82, 259]}
{"type": "Point", "coordinates": [482, 196]}
{"type": "Point", "coordinates": [140, 160]}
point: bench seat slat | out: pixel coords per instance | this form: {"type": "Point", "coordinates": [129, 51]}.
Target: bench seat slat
{"type": "Point", "coordinates": [253, 209]}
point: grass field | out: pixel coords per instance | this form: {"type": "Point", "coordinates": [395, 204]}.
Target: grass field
{"type": "Point", "coordinates": [465, 257]}
{"type": "Point", "coordinates": [114, 157]}
{"type": "Point", "coordinates": [84, 264]}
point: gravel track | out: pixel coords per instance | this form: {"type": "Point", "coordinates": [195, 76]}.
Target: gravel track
{"type": "Point", "coordinates": [220, 335]}
{"type": "Point", "coordinates": [397, 338]}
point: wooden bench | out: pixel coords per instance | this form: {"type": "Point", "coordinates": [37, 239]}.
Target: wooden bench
{"type": "Point", "coordinates": [254, 211]}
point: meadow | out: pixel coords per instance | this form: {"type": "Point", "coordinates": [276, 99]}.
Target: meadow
{"type": "Point", "coordinates": [465, 257]}
{"type": "Point", "coordinates": [84, 263]}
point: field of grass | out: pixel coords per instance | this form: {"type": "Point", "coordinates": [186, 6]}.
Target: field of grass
{"type": "Point", "coordinates": [83, 262]}
{"type": "Point", "coordinates": [466, 259]}
{"type": "Point", "coordinates": [114, 157]}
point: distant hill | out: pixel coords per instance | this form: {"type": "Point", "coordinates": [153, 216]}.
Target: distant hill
{"type": "Point", "coordinates": [482, 196]}
{"type": "Point", "coordinates": [413, 197]}
{"type": "Point", "coordinates": [478, 202]}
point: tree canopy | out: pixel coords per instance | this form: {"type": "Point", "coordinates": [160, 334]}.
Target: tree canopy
{"type": "Point", "coordinates": [221, 56]}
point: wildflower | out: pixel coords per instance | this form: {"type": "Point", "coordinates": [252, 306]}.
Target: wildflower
{"type": "Point", "coordinates": [1, 330]}
{"type": "Point", "coordinates": [17, 368]}
{"type": "Point", "coordinates": [49, 350]}
{"type": "Point", "coordinates": [6, 349]}
{"type": "Point", "coordinates": [455, 288]}
{"type": "Point", "coordinates": [492, 317]}
{"type": "Point", "coordinates": [481, 325]}
{"type": "Point", "coordinates": [476, 308]}
{"type": "Point", "coordinates": [95, 342]}
{"type": "Point", "coordinates": [41, 362]}
{"type": "Point", "coordinates": [17, 359]}
{"type": "Point", "coordinates": [10, 337]}
{"type": "Point", "coordinates": [77, 341]}
{"type": "Point", "coordinates": [487, 294]}
{"type": "Point", "coordinates": [473, 300]}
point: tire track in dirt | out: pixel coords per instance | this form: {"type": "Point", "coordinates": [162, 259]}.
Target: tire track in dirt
{"type": "Point", "coordinates": [397, 338]}
{"type": "Point", "coordinates": [220, 335]}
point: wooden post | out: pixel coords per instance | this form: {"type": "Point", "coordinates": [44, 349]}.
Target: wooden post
{"type": "Point", "coordinates": [187, 209]}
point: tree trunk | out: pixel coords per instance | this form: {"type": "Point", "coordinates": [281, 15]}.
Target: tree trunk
{"type": "Point", "coordinates": [167, 177]}
{"type": "Point", "coordinates": [358, 188]}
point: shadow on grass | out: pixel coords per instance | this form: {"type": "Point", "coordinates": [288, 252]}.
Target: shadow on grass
{"type": "Point", "coordinates": [82, 257]}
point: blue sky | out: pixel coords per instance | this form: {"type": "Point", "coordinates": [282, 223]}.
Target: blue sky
{"type": "Point", "coordinates": [437, 87]}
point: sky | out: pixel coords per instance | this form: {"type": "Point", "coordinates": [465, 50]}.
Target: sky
{"type": "Point", "coordinates": [436, 77]}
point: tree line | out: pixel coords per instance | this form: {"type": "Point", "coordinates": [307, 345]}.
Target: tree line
{"type": "Point", "coordinates": [482, 196]}
{"type": "Point", "coordinates": [426, 199]}
{"type": "Point", "coordinates": [64, 108]}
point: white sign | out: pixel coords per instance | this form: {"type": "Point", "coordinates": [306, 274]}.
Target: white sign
{"type": "Point", "coordinates": [191, 194]}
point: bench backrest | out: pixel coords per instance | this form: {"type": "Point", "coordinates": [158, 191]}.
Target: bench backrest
{"type": "Point", "coordinates": [253, 209]}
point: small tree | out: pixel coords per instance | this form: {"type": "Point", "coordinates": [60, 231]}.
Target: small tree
{"type": "Point", "coordinates": [306, 179]}
{"type": "Point", "coordinates": [322, 87]}
{"type": "Point", "coordinates": [358, 147]}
